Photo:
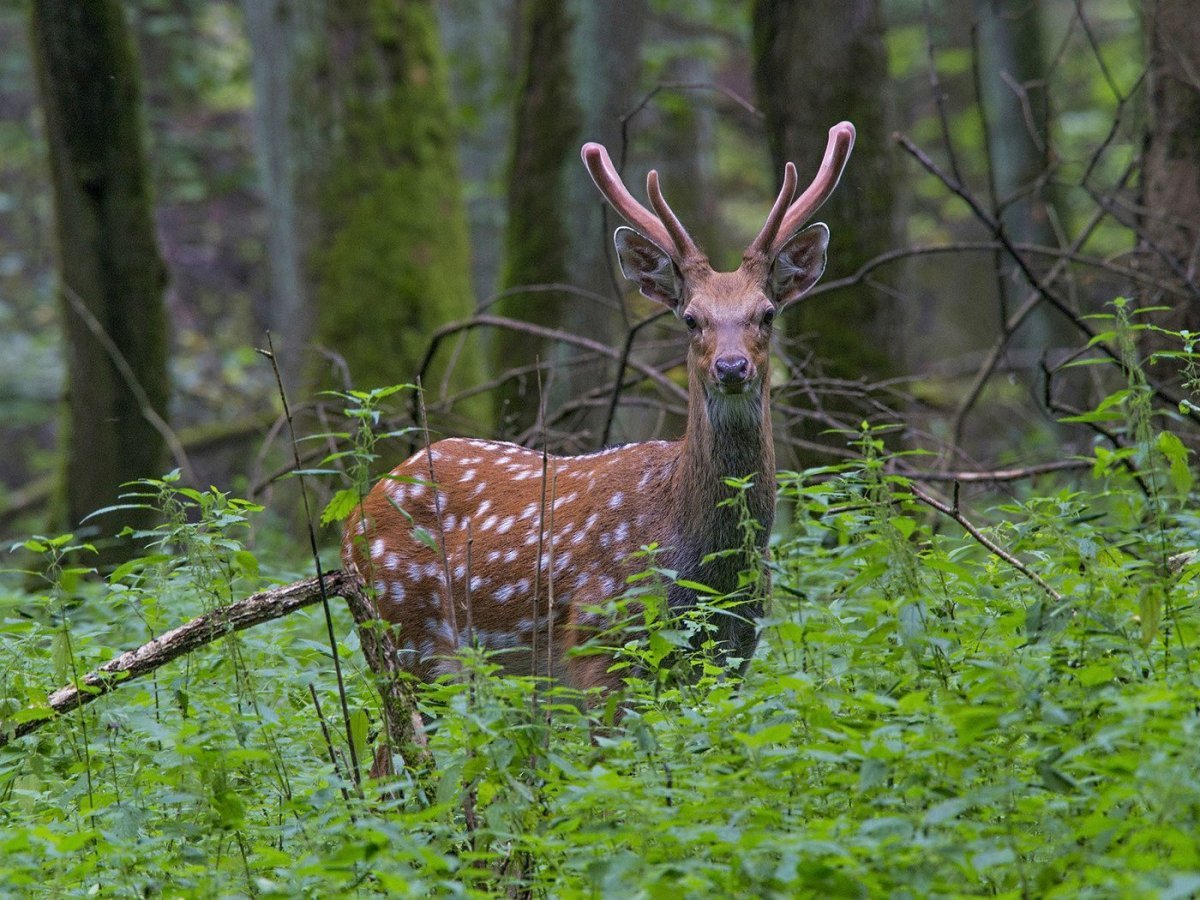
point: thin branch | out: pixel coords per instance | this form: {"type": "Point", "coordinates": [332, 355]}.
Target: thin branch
{"type": "Point", "coordinates": [316, 556]}
{"type": "Point", "coordinates": [1039, 285]}
{"type": "Point", "coordinates": [997, 476]}
{"type": "Point", "coordinates": [954, 513]}
{"type": "Point", "coordinates": [264, 606]}
{"type": "Point", "coordinates": [145, 407]}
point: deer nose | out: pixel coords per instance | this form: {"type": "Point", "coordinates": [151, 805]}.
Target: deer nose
{"type": "Point", "coordinates": [732, 370]}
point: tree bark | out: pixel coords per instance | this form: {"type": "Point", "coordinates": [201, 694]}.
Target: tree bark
{"type": "Point", "coordinates": [369, 251]}
{"type": "Point", "coordinates": [817, 62]}
{"type": "Point", "coordinates": [1016, 103]}
{"type": "Point", "coordinates": [111, 277]}
{"type": "Point", "coordinates": [581, 67]}
{"type": "Point", "coordinates": [537, 242]}
{"type": "Point", "coordinates": [1171, 154]}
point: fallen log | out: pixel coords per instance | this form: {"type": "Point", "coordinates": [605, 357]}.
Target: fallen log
{"type": "Point", "coordinates": [403, 721]}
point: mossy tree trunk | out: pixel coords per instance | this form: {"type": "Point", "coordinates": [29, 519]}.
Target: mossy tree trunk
{"type": "Point", "coordinates": [537, 240]}
{"type": "Point", "coordinates": [370, 252]}
{"type": "Point", "coordinates": [817, 62]}
{"type": "Point", "coordinates": [1171, 156]}
{"type": "Point", "coordinates": [111, 277]}
{"type": "Point", "coordinates": [580, 79]}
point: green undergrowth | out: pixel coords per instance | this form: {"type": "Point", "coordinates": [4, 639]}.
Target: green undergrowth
{"type": "Point", "coordinates": [925, 715]}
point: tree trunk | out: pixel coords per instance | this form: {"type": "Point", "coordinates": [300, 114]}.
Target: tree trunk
{"type": "Point", "coordinates": [1012, 75]}
{"type": "Point", "coordinates": [1171, 155]}
{"type": "Point", "coordinates": [368, 242]}
{"type": "Point", "coordinates": [537, 240]}
{"type": "Point", "coordinates": [581, 69]}
{"type": "Point", "coordinates": [110, 274]}
{"type": "Point", "coordinates": [817, 62]}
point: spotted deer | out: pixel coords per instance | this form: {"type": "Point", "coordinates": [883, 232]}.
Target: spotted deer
{"type": "Point", "coordinates": [531, 547]}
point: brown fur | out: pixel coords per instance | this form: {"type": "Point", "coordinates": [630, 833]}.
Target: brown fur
{"type": "Point", "coordinates": [599, 510]}
{"type": "Point", "coordinates": [563, 532]}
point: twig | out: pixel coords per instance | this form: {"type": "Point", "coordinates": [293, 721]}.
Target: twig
{"type": "Point", "coordinates": [145, 407]}
{"type": "Point", "coordinates": [618, 382]}
{"type": "Point", "coordinates": [333, 758]}
{"type": "Point", "coordinates": [996, 476]}
{"type": "Point", "coordinates": [954, 513]}
{"type": "Point", "coordinates": [1039, 284]}
{"type": "Point", "coordinates": [269, 353]}
{"type": "Point", "coordinates": [448, 610]}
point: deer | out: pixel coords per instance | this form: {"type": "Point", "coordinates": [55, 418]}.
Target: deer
{"type": "Point", "coordinates": [507, 547]}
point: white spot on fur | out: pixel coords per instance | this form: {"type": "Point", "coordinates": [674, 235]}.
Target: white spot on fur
{"type": "Point", "coordinates": [467, 476]}
{"type": "Point", "coordinates": [506, 525]}
{"type": "Point", "coordinates": [616, 500]}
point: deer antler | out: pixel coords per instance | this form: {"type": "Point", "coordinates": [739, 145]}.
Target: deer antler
{"type": "Point", "coordinates": [787, 216]}
{"type": "Point", "coordinates": [664, 229]}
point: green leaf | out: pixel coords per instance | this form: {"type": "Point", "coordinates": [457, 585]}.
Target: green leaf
{"type": "Point", "coordinates": [340, 506]}
{"type": "Point", "coordinates": [1176, 455]}
{"type": "Point", "coordinates": [424, 536]}
{"type": "Point", "coordinates": [359, 724]}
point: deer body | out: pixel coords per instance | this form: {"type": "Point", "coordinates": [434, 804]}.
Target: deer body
{"type": "Point", "coordinates": [492, 542]}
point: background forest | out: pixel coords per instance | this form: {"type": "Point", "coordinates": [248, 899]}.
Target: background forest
{"type": "Point", "coordinates": [975, 675]}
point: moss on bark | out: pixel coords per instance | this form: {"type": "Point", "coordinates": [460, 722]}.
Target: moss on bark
{"type": "Point", "coordinates": [536, 241]}
{"type": "Point", "coordinates": [389, 257]}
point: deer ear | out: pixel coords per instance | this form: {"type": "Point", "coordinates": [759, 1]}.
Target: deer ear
{"type": "Point", "coordinates": [648, 266]}
{"type": "Point", "coordinates": [799, 264]}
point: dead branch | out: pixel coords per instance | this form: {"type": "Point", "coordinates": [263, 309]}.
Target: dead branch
{"type": "Point", "coordinates": [997, 476]}
{"type": "Point", "coordinates": [954, 513]}
{"type": "Point", "coordinates": [400, 710]}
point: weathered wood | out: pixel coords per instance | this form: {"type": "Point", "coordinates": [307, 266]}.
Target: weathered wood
{"type": "Point", "coordinates": [402, 720]}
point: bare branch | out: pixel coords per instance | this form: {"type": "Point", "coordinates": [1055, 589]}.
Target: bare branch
{"type": "Point", "coordinates": [254, 610]}
{"type": "Point", "coordinates": [954, 513]}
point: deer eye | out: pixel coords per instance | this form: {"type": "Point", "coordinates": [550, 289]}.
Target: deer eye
{"type": "Point", "coordinates": [690, 321]}
{"type": "Point", "coordinates": [768, 318]}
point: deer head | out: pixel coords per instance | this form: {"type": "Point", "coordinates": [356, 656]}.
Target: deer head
{"type": "Point", "coordinates": [728, 314]}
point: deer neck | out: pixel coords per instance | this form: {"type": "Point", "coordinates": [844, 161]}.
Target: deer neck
{"type": "Point", "coordinates": [727, 437]}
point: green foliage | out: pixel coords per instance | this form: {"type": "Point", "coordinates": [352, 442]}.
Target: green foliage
{"type": "Point", "coordinates": [921, 718]}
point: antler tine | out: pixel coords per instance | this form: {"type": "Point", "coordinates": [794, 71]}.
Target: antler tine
{"type": "Point", "coordinates": [837, 152]}
{"type": "Point", "coordinates": [604, 174]}
{"type": "Point", "coordinates": [683, 241]}
{"type": "Point", "coordinates": [770, 228]}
